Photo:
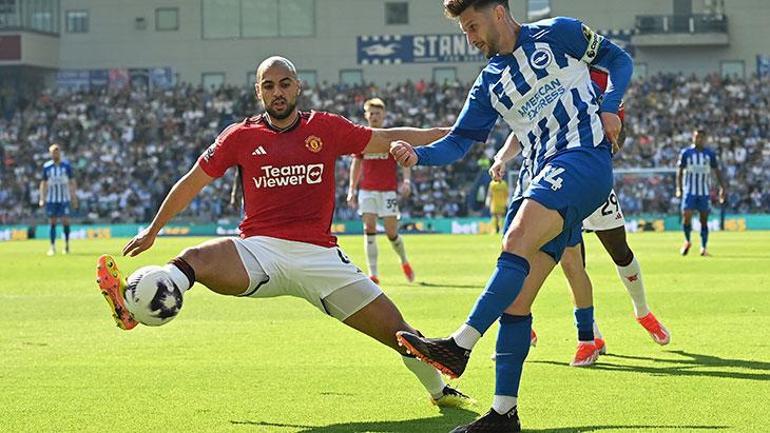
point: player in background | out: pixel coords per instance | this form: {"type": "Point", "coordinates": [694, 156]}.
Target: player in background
{"type": "Point", "coordinates": [537, 79]}
{"type": "Point", "coordinates": [287, 161]}
{"type": "Point", "coordinates": [57, 192]}
{"type": "Point", "coordinates": [694, 168]}
{"type": "Point", "coordinates": [497, 201]}
{"type": "Point", "coordinates": [375, 175]}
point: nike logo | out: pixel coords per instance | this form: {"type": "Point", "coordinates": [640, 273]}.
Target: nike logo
{"type": "Point", "coordinates": [259, 151]}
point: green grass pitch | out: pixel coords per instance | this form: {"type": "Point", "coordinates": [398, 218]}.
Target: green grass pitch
{"type": "Point", "coordinates": [279, 365]}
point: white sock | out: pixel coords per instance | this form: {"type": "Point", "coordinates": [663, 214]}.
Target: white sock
{"type": "Point", "coordinates": [466, 336]}
{"type": "Point", "coordinates": [370, 242]}
{"type": "Point", "coordinates": [398, 247]}
{"type": "Point", "coordinates": [597, 334]}
{"type": "Point", "coordinates": [178, 277]}
{"type": "Point", "coordinates": [427, 375]}
{"type": "Point", "coordinates": [503, 404]}
{"type": "Point", "coordinates": [631, 276]}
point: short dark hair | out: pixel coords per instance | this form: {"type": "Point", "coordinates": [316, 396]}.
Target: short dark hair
{"type": "Point", "coordinates": [453, 8]}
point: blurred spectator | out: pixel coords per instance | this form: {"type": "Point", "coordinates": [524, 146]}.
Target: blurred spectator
{"type": "Point", "coordinates": [129, 147]}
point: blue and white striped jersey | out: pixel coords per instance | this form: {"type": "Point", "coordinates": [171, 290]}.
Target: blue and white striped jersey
{"type": "Point", "coordinates": [58, 177]}
{"type": "Point", "coordinates": [697, 165]}
{"type": "Point", "coordinates": [543, 91]}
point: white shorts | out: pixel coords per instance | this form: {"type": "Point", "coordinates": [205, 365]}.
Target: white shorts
{"type": "Point", "coordinates": [608, 216]}
{"type": "Point", "coordinates": [278, 267]}
{"type": "Point", "coordinates": [382, 203]}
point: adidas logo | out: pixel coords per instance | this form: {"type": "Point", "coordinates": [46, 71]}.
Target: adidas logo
{"type": "Point", "coordinates": [259, 151]}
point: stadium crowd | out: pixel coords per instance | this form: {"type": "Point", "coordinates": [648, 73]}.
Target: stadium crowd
{"type": "Point", "coordinates": [127, 148]}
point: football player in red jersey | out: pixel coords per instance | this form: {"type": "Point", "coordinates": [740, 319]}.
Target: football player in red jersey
{"type": "Point", "coordinates": [609, 225]}
{"type": "Point", "coordinates": [375, 175]}
{"type": "Point", "coordinates": [287, 160]}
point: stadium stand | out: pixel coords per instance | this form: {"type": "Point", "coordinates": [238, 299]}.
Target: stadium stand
{"type": "Point", "coordinates": [127, 148]}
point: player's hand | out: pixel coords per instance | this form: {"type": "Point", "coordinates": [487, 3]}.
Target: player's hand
{"type": "Point", "coordinates": [612, 126]}
{"type": "Point", "coordinates": [351, 199]}
{"type": "Point", "coordinates": [75, 203]}
{"type": "Point", "coordinates": [678, 193]}
{"type": "Point", "coordinates": [497, 169]}
{"type": "Point", "coordinates": [404, 153]}
{"type": "Point", "coordinates": [722, 195]}
{"type": "Point", "coordinates": [141, 242]}
{"type": "Point", "coordinates": [405, 189]}
{"type": "Point", "coordinates": [41, 203]}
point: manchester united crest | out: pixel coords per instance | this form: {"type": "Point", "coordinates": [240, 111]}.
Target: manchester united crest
{"type": "Point", "coordinates": [314, 144]}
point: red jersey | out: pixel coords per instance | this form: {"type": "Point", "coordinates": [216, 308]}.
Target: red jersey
{"type": "Point", "coordinates": [601, 79]}
{"type": "Point", "coordinates": [288, 176]}
{"type": "Point", "coordinates": [378, 172]}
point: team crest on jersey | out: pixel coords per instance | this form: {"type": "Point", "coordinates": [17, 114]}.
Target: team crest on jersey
{"type": "Point", "coordinates": [541, 58]}
{"type": "Point", "coordinates": [314, 144]}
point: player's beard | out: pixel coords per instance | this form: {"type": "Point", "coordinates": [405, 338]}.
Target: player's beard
{"type": "Point", "coordinates": [282, 114]}
{"type": "Point", "coordinates": [491, 48]}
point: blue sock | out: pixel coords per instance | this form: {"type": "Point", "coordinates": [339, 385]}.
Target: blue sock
{"type": "Point", "coordinates": [687, 230]}
{"type": "Point", "coordinates": [584, 320]}
{"type": "Point", "coordinates": [704, 236]}
{"type": "Point", "coordinates": [502, 288]}
{"type": "Point", "coordinates": [512, 349]}
{"type": "Point", "coordinates": [52, 234]}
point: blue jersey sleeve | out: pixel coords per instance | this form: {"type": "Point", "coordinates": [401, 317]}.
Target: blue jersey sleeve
{"type": "Point", "coordinates": [477, 117]}
{"type": "Point", "coordinates": [446, 150]}
{"type": "Point", "coordinates": [582, 43]}
{"type": "Point", "coordinates": [68, 170]}
{"type": "Point", "coordinates": [473, 125]}
{"type": "Point", "coordinates": [713, 159]}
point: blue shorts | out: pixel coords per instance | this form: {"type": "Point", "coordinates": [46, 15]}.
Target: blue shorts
{"type": "Point", "coordinates": [701, 203]}
{"type": "Point", "coordinates": [56, 210]}
{"type": "Point", "coordinates": [574, 183]}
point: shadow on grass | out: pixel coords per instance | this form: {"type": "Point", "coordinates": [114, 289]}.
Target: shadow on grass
{"type": "Point", "coordinates": [448, 420]}
{"type": "Point", "coordinates": [684, 367]}
{"type": "Point", "coordinates": [451, 286]}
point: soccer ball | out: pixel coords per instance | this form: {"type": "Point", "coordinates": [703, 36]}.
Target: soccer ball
{"type": "Point", "coordinates": [152, 297]}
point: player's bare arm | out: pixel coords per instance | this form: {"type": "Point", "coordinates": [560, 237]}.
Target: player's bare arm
{"type": "Point", "coordinates": [679, 176]}
{"type": "Point", "coordinates": [73, 186]}
{"type": "Point", "coordinates": [406, 182]}
{"type": "Point", "coordinates": [236, 193]}
{"type": "Point", "coordinates": [722, 185]}
{"type": "Point", "coordinates": [43, 192]}
{"type": "Point", "coordinates": [178, 198]}
{"type": "Point", "coordinates": [355, 177]}
{"type": "Point", "coordinates": [612, 126]}
{"type": "Point", "coordinates": [383, 137]}
{"type": "Point", "coordinates": [510, 149]}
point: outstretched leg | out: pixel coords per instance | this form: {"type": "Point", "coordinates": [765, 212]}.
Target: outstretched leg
{"type": "Point", "coordinates": [381, 320]}
{"type": "Point", "coordinates": [216, 264]}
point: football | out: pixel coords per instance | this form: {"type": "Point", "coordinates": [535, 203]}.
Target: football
{"type": "Point", "coordinates": [152, 297]}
